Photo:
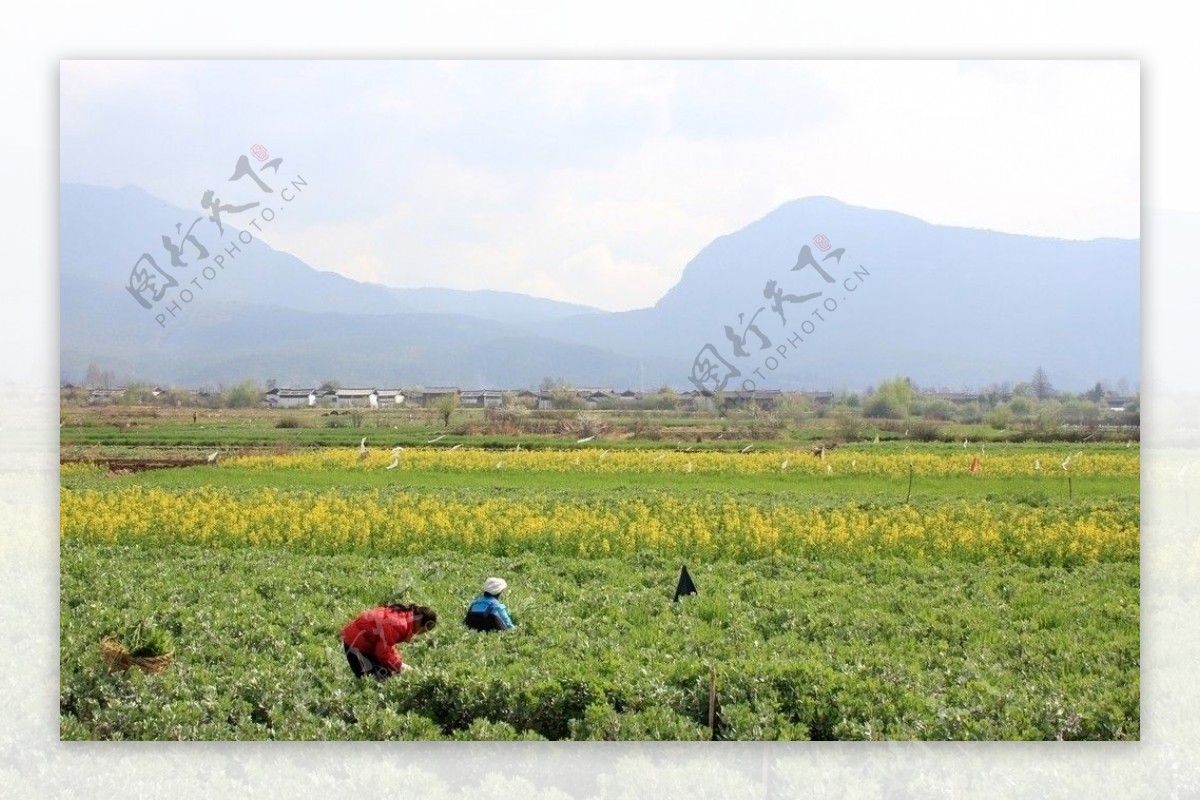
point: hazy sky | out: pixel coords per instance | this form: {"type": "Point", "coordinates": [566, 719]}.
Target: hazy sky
{"type": "Point", "coordinates": [597, 181]}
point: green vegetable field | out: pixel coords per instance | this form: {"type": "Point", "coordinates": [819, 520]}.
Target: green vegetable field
{"type": "Point", "coordinates": [880, 591]}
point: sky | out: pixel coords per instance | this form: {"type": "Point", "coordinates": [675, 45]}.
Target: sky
{"type": "Point", "coordinates": [597, 181]}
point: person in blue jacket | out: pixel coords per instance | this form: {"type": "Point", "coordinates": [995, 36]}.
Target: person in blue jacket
{"type": "Point", "coordinates": [486, 612]}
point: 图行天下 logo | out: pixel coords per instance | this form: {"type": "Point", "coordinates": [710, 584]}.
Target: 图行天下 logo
{"type": "Point", "coordinates": [785, 326]}
{"type": "Point", "coordinates": [195, 256]}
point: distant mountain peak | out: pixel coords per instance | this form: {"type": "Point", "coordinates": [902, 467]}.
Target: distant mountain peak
{"type": "Point", "coordinates": [944, 305]}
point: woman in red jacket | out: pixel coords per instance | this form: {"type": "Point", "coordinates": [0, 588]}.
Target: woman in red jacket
{"type": "Point", "coordinates": [370, 639]}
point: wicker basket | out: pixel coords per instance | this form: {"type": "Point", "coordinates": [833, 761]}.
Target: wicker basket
{"type": "Point", "coordinates": [117, 657]}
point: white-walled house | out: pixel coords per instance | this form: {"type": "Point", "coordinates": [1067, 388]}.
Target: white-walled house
{"type": "Point", "coordinates": [356, 398]}
{"type": "Point", "coordinates": [290, 397]}
{"type": "Point", "coordinates": [390, 397]}
{"type": "Point", "coordinates": [99, 395]}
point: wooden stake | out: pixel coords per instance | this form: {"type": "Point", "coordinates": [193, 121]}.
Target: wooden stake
{"type": "Point", "coordinates": [712, 700]}
{"type": "Point", "coordinates": [908, 497]}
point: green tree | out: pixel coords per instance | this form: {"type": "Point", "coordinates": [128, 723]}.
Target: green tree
{"type": "Point", "coordinates": [794, 407]}
{"type": "Point", "coordinates": [1000, 418]}
{"type": "Point", "coordinates": [892, 400]}
{"type": "Point", "coordinates": [969, 413]}
{"type": "Point", "coordinates": [664, 398]}
{"type": "Point", "coordinates": [137, 393]}
{"type": "Point", "coordinates": [938, 409]}
{"type": "Point", "coordinates": [243, 395]}
{"type": "Point", "coordinates": [565, 397]}
{"type": "Point", "coordinates": [1081, 412]}
{"type": "Point", "coordinates": [1134, 410]}
{"type": "Point", "coordinates": [1041, 384]}
{"type": "Point", "coordinates": [445, 406]}
{"type": "Point", "coordinates": [1048, 415]}
{"type": "Point", "coordinates": [848, 423]}
{"type": "Point", "coordinates": [1021, 407]}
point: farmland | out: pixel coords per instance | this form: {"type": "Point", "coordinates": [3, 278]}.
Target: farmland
{"type": "Point", "coordinates": [879, 589]}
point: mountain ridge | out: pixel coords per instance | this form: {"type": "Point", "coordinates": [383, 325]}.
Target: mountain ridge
{"type": "Point", "coordinates": [946, 305]}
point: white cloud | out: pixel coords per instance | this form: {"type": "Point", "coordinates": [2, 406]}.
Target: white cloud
{"type": "Point", "coordinates": [596, 181]}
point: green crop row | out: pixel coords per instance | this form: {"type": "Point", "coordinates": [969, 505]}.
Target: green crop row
{"type": "Point", "coordinates": [800, 648]}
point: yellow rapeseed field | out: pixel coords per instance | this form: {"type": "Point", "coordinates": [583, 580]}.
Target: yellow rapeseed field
{"type": "Point", "coordinates": [693, 526]}
{"type": "Point", "coordinates": [800, 462]}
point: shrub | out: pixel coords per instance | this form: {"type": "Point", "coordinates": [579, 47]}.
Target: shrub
{"type": "Point", "coordinates": [938, 409]}
{"type": "Point", "coordinates": [505, 420]}
{"type": "Point", "coordinates": [243, 395]}
{"type": "Point", "coordinates": [923, 431]}
{"type": "Point", "coordinates": [482, 729]}
{"type": "Point", "coordinates": [1000, 418]}
{"type": "Point", "coordinates": [892, 400]}
{"type": "Point", "coordinates": [849, 424]}
{"type": "Point", "coordinates": [602, 722]}
{"type": "Point", "coordinates": [583, 425]}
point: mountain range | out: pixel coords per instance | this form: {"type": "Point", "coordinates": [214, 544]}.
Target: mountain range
{"type": "Point", "coordinates": [817, 294]}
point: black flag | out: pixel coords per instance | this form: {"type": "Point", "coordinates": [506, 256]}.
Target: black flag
{"type": "Point", "coordinates": [686, 587]}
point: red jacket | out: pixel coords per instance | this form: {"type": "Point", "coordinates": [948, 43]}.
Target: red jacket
{"type": "Point", "coordinates": [376, 632]}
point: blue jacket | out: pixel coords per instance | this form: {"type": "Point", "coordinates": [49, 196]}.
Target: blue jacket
{"type": "Point", "coordinates": [490, 605]}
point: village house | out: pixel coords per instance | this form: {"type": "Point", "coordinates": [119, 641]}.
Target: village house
{"type": "Point", "coordinates": [105, 395]}
{"type": "Point", "coordinates": [481, 399]}
{"type": "Point", "coordinates": [429, 396]}
{"type": "Point", "coordinates": [1117, 403]}
{"type": "Point", "coordinates": [355, 398]}
{"type": "Point", "coordinates": [691, 400]}
{"type": "Point", "coordinates": [599, 398]}
{"type": "Point", "coordinates": [390, 397]}
{"type": "Point", "coordinates": [595, 398]}
{"type": "Point", "coordinates": [761, 399]}
{"type": "Point", "coordinates": [629, 397]}
{"type": "Point", "coordinates": [290, 397]}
